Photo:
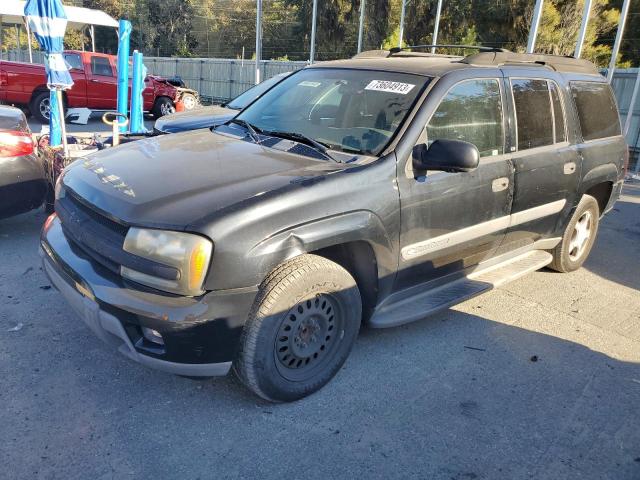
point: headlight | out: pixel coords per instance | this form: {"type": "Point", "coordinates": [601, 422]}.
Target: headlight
{"type": "Point", "coordinates": [190, 254]}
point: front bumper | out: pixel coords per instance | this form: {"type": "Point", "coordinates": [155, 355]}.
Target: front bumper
{"type": "Point", "coordinates": [201, 335]}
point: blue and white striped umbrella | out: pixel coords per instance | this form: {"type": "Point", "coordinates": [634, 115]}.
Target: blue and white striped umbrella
{"type": "Point", "coordinates": [48, 21]}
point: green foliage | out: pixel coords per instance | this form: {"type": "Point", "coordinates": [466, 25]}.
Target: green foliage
{"type": "Point", "coordinates": [222, 28]}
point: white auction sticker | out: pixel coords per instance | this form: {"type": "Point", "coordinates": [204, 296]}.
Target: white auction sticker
{"type": "Point", "coordinates": [307, 83]}
{"type": "Point", "coordinates": [388, 86]}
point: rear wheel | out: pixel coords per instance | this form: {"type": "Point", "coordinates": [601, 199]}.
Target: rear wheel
{"type": "Point", "coordinates": [163, 106]}
{"type": "Point", "coordinates": [578, 238]}
{"type": "Point", "coordinates": [40, 107]}
{"type": "Point", "coordinates": [301, 329]}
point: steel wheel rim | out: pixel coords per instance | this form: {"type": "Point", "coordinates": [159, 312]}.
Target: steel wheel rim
{"type": "Point", "coordinates": [308, 337]}
{"type": "Point", "coordinates": [580, 236]}
{"type": "Point", "coordinates": [189, 102]}
{"type": "Point", "coordinates": [45, 108]}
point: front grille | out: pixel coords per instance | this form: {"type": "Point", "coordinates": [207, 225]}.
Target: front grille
{"type": "Point", "coordinates": [99, 237]}
{"type": "Point", "coordinates": [102, 239]}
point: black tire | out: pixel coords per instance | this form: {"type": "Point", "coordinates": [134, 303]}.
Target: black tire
{"type": "Point", "coordinates": [39, 105]}
{"type": "Point", "coordinates": [163, 106]}
{"type": "Point", "coordinates": [317, 301]}
{"type": "Point", "coordinates": [568, 255]}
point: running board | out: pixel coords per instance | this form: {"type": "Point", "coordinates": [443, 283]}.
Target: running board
{"type": "Point", "coordinates": [442, 297]}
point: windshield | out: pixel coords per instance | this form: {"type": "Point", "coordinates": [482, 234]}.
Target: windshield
{"type": "Point", "coordinates": [350, 110]}
{"type": "Point", "coordinates": [250, 95]}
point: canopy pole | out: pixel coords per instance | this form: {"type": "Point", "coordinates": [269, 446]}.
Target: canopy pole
{"type": "Point", "coordinates": [29, 41]}
{"type": "Point", "coordinates": [402, 11]}
{"type": "Point", "coordinates": [616, 44]}
{"type": "Point", "coordinates": [258, 40]}
{"type": "Point", "coordinates": [583, 28]}
{"type": "Point", "coordinates": [0, 37]}
{"type": "Point", "coordinates": [18, 46]}
{"type": "Point", "coordinates": [436, 27]}
{"type": "Point", "coordinates": [63, 127]}
{"type": "Point", "coordinates": [361, 27]}
{"type": "Point", "coordinates": [93, 39]}
{"type": "Point", "coordinates": [535, 23]}
{"type": "Point", "coordinates": [314, 19]}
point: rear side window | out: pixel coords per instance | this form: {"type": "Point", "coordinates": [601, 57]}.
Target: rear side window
{"type": "Point", "coordinates": [101, 66]}
{"type": "Point", "coordinates": [472, 112]}
{"type": "Point", "coordinates": [597, 110]}
{"type": "Point", "coordinates": [534, 118]}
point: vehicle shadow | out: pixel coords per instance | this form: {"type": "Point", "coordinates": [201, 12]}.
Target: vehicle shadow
{"type": "Point", "coordinates": [619, 237]}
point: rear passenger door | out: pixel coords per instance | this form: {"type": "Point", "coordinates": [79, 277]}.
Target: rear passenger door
{"type": "Point", "coordinates": [546, 164]}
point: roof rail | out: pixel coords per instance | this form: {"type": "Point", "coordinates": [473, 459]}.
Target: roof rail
{"type": "Point", "coordinates": [395, 50]}
{"type": "Point", "coordinates": [555, 62]}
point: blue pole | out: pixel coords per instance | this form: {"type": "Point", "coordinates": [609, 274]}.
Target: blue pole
{"type": "Point", "coordinates": [124, 35]}
{"type": "Point", "coordinates": [55, 130]}
{"type": "Point", "coordinates": [136, 125]}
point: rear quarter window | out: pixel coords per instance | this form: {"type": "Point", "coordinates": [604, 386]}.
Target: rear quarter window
{"type": "Point", "coordinates": [596, 108]}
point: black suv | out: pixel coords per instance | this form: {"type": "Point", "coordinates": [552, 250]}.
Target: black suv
{"type": "Point", "coordinates": [374, 190]}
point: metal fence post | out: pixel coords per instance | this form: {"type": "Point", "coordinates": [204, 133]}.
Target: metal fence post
{"type": "Point", "coordinates": [535, 23]}
{"type": "Point", "coordinates": [258, 40]}
{"type": "Point", "coordinates": [583, 28]}
{"type": "Point", "coordinates": [618, 41]}
{"type": "Point", "coordinates": [401, 34]}
{"type": "Point", "coordinates": [314, 18]}
{"type": "Point", "coordinates": [361, 27]}
{"type": "Point", "coordinates": [436, 27]}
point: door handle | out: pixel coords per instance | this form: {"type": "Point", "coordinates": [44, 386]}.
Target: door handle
{"type": "Point", "coordinates": [499, 184]}
{"type": "Point", "coordinates": [569, 168]}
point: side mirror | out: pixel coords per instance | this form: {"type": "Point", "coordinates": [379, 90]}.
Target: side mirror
{"type": "Point", "coordinates": [446, 155]}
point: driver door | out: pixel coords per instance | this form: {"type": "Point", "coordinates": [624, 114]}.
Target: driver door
{"type": "Point", "coordinates": [451, 221]}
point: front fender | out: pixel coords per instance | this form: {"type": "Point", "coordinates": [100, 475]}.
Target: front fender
{"type": "Point", "coordinates": [353, 226]}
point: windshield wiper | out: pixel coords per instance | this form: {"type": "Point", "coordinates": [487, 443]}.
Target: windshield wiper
{"type": "Point", "coordinates": [253, 131]}
{"type": "Point", "coordinates": [299, 137]}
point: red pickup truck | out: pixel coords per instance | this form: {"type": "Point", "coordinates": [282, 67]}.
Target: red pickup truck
{"type": "Point", "coordinates": [95, 86]}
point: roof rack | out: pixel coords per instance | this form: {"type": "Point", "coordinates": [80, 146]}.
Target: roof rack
{"type": "Point", "coordinates": [395, 50]}
{"type": "Point", "coordinates": [555, 62]}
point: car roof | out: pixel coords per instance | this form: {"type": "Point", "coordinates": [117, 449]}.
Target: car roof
{"type": "Point", "coordinates": [429, 64]}
{"type": "Point", "coordinates": [12, 119]}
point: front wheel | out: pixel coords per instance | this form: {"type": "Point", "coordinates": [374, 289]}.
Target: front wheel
{"type": "Point", "coordinates": [300, 330]}
{"type": "Point", "coordinates": [190, 101]}
{"type": "Point", "coordinates": [578, 237]}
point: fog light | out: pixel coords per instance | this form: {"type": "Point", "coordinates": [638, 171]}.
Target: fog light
{"type": "Point", "coordinates": [152, 335]}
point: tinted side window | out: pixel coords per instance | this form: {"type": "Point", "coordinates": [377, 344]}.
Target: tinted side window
{"type": "Point", "coordinates": [101, 66]}
{"type": "Point", "coordinates": [472, 112]}
{"type": "Point", "coordinates": [534, 119]}
{"type": "Point", "coordinates": [558, 114]}
{"type": "Point", "coordinates": [597, 110]}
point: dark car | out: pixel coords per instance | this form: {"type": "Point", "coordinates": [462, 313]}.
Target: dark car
{"type": "Point", "coordinates": [23, 183]}
{"type": "Point", "coordinates": [376, 190]}
{"type": "Point", "coordinates": [216, 114]}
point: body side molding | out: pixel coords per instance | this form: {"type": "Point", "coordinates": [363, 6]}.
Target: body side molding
{"type": "Point", "coordinates": [485, 228]}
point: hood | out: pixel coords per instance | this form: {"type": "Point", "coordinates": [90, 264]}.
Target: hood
{"type": "Point", "coordinates": [172, 181]}
{"type": "Point", "coordinates": [194, 119]}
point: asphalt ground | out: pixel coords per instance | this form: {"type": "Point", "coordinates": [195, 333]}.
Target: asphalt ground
{"type": "Point", "coordinates": [539, 379]}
